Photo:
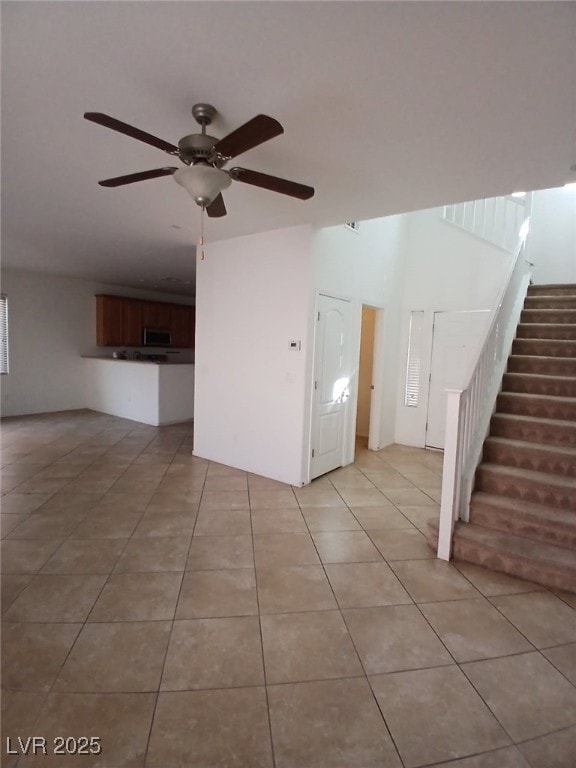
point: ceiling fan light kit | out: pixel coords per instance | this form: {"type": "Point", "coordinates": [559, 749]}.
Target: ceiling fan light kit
{"type": "Point", "coordinates": [202, 182]}
{"type": "Point", "coordinates": [204, 155]}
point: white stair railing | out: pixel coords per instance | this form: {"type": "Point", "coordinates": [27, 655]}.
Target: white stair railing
{"type": "Point", "coordinates": [469, 410]}
{"type": "Point", "coordinates": [496, 219]}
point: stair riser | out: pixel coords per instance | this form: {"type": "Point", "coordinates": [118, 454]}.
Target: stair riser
{"type": "Point", "coordinates": [519, 429]}
{"type": "Point", "coordinates": [552, 290]}
{"type": "Point", "coordinates": [530, 490]}
{"type": "Point", "coordinates": [544, 347]}
{"type": "Point", "coordinates": [550, 302]}
{"type": "Point", "coordinates": [562, 331]}
{"type": "Point", "coordinates": [548, 316]}
{"type": "Point", "coordinates": [555, 577]}
{"type": "Point", "coordinates": [548, 366]}
{"type": "Point", "coordinates": [534, 459]}
{"type": "Point", "coordinates": [555, 387]}
{"type": "Point", "coordinates": [523, 525]}
{"type": "Point", "coordinates": [525, 405]}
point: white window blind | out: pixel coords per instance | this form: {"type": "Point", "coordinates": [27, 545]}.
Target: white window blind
{"type": "Point", "coordinates": [414, 362]}
{"type": "Point", "coordinates": [3, 334]}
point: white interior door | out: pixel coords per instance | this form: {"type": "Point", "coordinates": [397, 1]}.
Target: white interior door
{"type": "Point", "coordinates": [456, 340]}
{"type": "Point", "coordinates": [332, 383]}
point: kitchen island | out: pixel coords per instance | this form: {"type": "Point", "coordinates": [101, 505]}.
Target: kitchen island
{"type": "Point", "coordinates": [155, 393]}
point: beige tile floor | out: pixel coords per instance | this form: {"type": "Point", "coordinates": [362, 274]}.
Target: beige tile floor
{"type": "Point", "coordinates": [190, 614]}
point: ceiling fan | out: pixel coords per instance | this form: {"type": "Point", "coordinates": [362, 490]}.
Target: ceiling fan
{"type": "Point", "coordinates": [204, 157]}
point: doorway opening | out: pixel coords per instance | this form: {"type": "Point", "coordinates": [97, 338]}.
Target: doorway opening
{"type": "Point", "coordinates": [348, 382]}
{"type": "Point", "coordinates": [371, 367]}
{"type": "Point", "coordinates": [365, 373]}
{"type": "Point", "coordinates": [456, 338]}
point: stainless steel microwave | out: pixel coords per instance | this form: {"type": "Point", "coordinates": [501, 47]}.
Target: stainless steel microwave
{"type": "Point", "coordinates": [154, 337]}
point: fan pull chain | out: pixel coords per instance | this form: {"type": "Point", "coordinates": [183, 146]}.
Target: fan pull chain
{"type": "Point", "coordinates": [201, 240]}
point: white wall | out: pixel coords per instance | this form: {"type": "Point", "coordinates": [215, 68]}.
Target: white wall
{"type": "Point", "coordinates": [254, 295]}
{"type": "Point", "coordinates": [52, 322]}
{"type": "Point", "coordinates": [252, 299]}
{"type": "Point", "coordinates": [367, 266]}
{"type": "Point", "coordinates": [447, 269]}
{"type": "Point", "coordinates": [552, 242]}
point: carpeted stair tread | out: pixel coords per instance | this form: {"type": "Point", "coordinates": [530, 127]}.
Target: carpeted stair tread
{"type": "Point", "coordinates": [539, 384]}
{"type": "Point", "coordinates": [559, 301]}
{"type": "Point", "coordinates": [529, 474]}
{"type": "Point", "coordinates": [537, 420]}
{"type": "Point", "coordinates": [538, 376]}
{"type": "Point", "coordinates": [505, 552]}
{"type": "Point", "coordinates": [550, 365]}
{"type": "Point", "coordinates": [549, 310]}
{"type": "Point", "coordinates": [544, 286]}
{"type": "Point", "coordinates": [539, 555]}
{"type": "Point", "coordinates": [546, 315]}
{"type": "Point", "coordinates": [558, 449]}
{"type": "Point", "coordinates": [541, 512]}
{"type": "Point", "coordinates": [551, 358]}
{"type": "Point", "coordinates": [525, 446]}
{"type": "Point", "coordinates": [539, 406]}
{"type": "Point", "coordinates": [520, 545]}
{"type": "Point", "coordinates": [545, 347]}
{"type": "Point", "coordinates": [543, 398]}
{"type": "Point", "coordinates": [532, 429]}
{"type": "Point", "coordinates": [529, 485]}
{"type": "Point", "coordinates": [551, 289]}
{"type": "Point", "coordinates": [549, 331]}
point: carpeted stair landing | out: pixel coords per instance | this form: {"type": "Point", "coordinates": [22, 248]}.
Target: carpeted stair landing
{"type": "Point", "coordinates": [523, 508]}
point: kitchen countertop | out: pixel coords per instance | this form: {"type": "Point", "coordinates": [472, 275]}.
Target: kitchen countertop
{"type": "Point", "coordinates": [142, 361]}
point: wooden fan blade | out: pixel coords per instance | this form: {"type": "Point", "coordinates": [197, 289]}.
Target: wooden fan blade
{"type": "Point", "coordinates": [119, 181]}
{"type": "Point", "coordinates": [256, 131]}
{"type": "Point", "coordinates": [273, 183]}
{"type": "Point", "coordinates": [129, 130]}
{"type": "Point", "coordinates": [216, 208]}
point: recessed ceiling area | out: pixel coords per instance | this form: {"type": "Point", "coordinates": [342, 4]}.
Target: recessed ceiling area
{"type": "Point", "coordinates": [386, 106]}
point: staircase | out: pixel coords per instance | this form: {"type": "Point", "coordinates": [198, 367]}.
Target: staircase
{"type": "Point", "coordinates": [523, 508]}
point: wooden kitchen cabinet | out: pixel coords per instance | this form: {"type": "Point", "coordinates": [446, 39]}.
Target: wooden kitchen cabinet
{"type": "Point", "coordinates": [132, 320]}
{"type": "Point", "coordinates": [149, 314]}
{"type": "Point", "coordinates": [110, 321]}
{"type": "Point", "coordinates": [182, 325]}
{"type": "Point", "coordinates": [120, 321]}
{"type": "Point", "coordinates": [163, 317]}
{"type": "Point", "coordinates": [156, 314]}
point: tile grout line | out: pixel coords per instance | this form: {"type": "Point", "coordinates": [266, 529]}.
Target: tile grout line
{"type": "Point", "coordinates": [269, 717]}
{"type": "Point", "coordinates": [163, 667]}
{"type": "Point", "coordinates": [56, 676]}
{"type": "Point", "coordinates": [338, 607]}
{"type": "Point", "coordinates": [341, 613]}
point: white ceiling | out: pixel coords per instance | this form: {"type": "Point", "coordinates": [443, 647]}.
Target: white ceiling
{"type": "Point", "coordinates": [386, 106]}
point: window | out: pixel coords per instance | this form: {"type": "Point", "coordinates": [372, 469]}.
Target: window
{"type": "Point", "coordinates": [3, 334]}
{"type": "Point", "coordinates": [413, 364]}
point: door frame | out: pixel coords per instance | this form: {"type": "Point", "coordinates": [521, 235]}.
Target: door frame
{"type": "Point", "coordinates": [349, 419]}
{"type": "Point", "coordinates": [378, 370]}
{"type": "Point", "coordinates": [484, 312]}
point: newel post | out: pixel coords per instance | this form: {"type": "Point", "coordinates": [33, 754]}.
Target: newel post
{"type": "Point", "coordinates": [451, 472]}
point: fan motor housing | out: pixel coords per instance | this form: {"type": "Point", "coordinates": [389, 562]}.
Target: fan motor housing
{"type": "Point", "coordinates": [196, 147]}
